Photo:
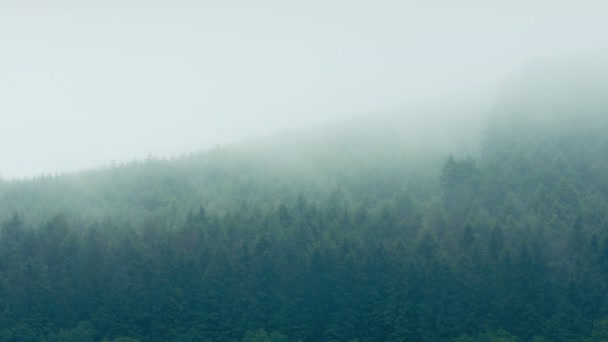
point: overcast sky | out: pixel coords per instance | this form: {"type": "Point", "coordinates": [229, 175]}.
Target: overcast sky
{"type": "Point", "coordinates": [85, 83]}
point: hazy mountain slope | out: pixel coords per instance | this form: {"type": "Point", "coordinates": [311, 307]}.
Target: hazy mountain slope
{"type": "Point", "coordinates": [547, 141]}
{"type": "Point", "coordinates": [365, 231]}
{"type": "Point", "coordinates": [366, 158]}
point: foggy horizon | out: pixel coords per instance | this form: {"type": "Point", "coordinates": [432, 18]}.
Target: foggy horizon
{"type": "Point", "coordinates": [90, 84]}
{"type": "Point", "coordinates": [272, 171]}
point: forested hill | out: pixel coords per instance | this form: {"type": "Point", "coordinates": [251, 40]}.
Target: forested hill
{"type": "Point", "coordinates": [368, 158]}
{"type": "Point", "coordinates": [358, 233]}
{"type": "Point", "coordinates": [546, 149]}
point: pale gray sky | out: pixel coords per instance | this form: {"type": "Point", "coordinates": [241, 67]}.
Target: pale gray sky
{"type": "Point", "coordinates": [84, 83]}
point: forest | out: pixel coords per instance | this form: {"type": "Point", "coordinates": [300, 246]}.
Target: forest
{"type": "Point", "coordinates": [357, 232]}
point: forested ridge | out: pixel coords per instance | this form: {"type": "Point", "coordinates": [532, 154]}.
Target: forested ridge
{"type": "Point", "coordinates": [348, 238]}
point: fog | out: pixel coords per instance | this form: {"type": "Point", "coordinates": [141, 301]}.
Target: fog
{"type": "Point", "coordinates": [83, 84]}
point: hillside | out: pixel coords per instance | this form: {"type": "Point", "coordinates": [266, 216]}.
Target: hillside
{"type": "Point", "coordinates": [367, 158]}
{"type": "Point", "coordinates": [371, 230]}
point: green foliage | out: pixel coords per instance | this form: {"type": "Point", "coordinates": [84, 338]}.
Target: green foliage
{"type": "Point", "coordinates": [82, 332]}
{"type": "Point", "coordinates": [122, 339]}
{"type": "Point", "coordinates": [343, 245]}
{"type": "Point", "coordinates": [600, 331]}
{"type": "Point", "coordinates": [260, 335]}
{"type": "Point", "coordinates": [498, 336]}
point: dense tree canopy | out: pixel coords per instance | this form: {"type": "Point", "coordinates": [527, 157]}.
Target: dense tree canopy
{"type": "Point", "coordinates": [335, 241]}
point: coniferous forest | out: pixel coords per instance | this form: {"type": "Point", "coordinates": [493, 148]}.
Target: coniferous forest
{"type": "Point", "coordinates": [358, 232]}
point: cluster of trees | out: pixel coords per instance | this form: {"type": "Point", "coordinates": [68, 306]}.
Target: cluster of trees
{"type": "Point", "coordinates": [508, 245]}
